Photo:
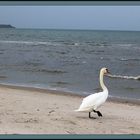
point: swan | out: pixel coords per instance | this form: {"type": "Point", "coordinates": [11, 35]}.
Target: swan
{"type": "Point", "coordinates": [94, 101]}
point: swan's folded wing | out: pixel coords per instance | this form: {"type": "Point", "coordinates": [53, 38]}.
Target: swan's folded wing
{"type": "Point", "coordinates": [90, 101]}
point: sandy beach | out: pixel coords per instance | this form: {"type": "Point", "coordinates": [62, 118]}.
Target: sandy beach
{"type": "Point", "coordinates": [32, 111]}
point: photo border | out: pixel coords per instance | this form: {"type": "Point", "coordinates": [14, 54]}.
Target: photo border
{"type": "Point", "coordinates": [70, 3]}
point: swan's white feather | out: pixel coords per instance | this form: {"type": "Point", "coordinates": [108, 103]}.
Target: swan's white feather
{"type": "Point", "coordinates": [93, 101]}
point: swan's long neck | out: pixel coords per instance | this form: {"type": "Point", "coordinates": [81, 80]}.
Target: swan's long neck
{"type": "Point", "coordinates": [102, 81]}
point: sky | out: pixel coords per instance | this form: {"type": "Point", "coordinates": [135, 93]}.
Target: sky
{"type": "Point", "coordinates": [72, 17]}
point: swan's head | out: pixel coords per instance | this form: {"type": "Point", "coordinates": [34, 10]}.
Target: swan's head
{"type": "Point", "coordinates": [104, 71]}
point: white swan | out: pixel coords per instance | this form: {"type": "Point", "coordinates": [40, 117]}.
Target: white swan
{"type": "Point", "coordinates": [94, 101]}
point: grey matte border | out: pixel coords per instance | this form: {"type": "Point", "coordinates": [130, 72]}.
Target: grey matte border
{"type": "Point", "coordinates": [70, 3]}
{"type": "Point", "coordinates": [68, 136]}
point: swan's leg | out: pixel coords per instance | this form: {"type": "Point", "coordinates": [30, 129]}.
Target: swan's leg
{"type": "Point", "coordinates": [98, 112]}
{"type": "Point", "coordinates": [89, 115]}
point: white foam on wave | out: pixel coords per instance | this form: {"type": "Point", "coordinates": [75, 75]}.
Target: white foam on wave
{"type": "Point", "coordinates": [28, 42]}
{"type": "Point", "coordinates": [129, 59]}
{"type": "Point", "coordinates": [125, 77]}
{"type": "Point", "coordinates": [125, 45]}
{"type": "Point", "coordinates": [76, 44]}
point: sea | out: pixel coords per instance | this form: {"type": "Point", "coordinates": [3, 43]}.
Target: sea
{"type": "Point", "coordinates": [70, 60]}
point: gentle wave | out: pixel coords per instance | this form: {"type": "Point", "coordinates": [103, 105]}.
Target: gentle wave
{"type": "Point", "coordinates": [50, 71]}
{"type": "Point", "coordinates": [129, 59]}
{"type": "Point", "coordinates": [29, 42]}
{"type": "Point", "coordinates": [40, 42]}
{"type": "Point", "coordinates": [125, 45]}
{"type": "Point", "coordinates": [124, 77]}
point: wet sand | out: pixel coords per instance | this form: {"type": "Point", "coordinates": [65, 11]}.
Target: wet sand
{"type": "Point", "coordinates": [36, 111]}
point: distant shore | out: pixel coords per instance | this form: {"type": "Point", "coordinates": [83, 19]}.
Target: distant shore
{"type": "Point", "coordinates": [6, 26]}
{"type": "Point", "coordinates": [26, 110]}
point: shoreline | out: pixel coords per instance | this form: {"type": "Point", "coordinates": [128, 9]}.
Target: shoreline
{"type": "Point", "coordinates": [38, 111]}
{"type": "Point", "coordinates": [68, 93]}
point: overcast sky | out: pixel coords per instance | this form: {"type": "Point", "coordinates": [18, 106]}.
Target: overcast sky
{"type": "Point", "coordinates": [72, 17]}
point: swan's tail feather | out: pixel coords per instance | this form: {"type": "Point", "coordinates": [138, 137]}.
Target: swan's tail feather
{"type": "Point", "coordinates": [78, 110]}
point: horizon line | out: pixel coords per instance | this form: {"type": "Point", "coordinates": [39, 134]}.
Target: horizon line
{"type": "Point", "coordinates": [47, 28]}
{"type": "Point", "coordinates": [41, 28]}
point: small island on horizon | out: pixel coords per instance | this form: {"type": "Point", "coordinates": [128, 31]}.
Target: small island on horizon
{"type": "Point", "coordinates": [6, 26]}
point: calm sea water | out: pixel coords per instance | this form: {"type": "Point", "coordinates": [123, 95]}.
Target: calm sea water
{"type": "Point", "coordinates": [70, 60]}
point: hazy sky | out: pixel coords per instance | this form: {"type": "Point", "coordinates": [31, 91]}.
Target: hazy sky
{"type": "Point", "coordinates": [72, 17]}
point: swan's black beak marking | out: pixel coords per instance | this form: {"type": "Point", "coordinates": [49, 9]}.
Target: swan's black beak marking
{"type": "Point", "coordinates": [107, 71]}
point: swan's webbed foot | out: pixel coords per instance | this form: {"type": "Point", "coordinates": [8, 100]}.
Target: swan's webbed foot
{"type": "Point", "coordinates": [90, 116]}
{"type": "Point", "coordinates": [98, 112]}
